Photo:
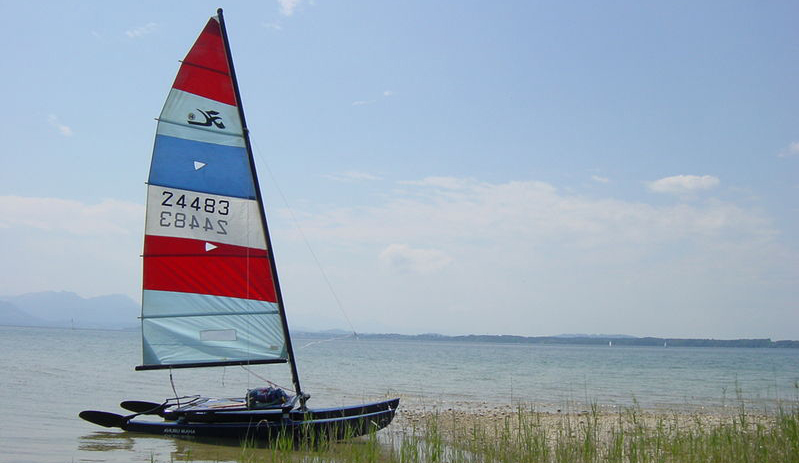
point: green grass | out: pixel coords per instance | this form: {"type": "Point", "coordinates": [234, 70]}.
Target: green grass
{"type": "Point", "coordinates": [631, 436]}
{"type": "Point", "coordinates": [526, 435]}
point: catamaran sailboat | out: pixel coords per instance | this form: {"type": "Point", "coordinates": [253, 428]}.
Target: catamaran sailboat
{"type": "Point", "coordinates": [211, 295]}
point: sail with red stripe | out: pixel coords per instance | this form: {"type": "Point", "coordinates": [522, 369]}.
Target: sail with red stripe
{"type": "Point", "coordinates": [210, 295]}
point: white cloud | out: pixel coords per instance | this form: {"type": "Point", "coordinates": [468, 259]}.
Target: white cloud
{"type": "Point", "coordinates": [445, 251]}
{"type": "Point", "coordinates": [109, 217]}
{"type": "Point", "coordinates": [447, 183]}
{"type": "Point", "coordinates": [682, 184]}
{"type": "Point", "coordinates": [546, 261]}
{"type": "Point", "coordinates": [385, 94]}
{"type": "Point", "coordinates": [599, 179]}
{"type": "Point", "coordinates": [63, 244]}
{"type": "Point", "coordinates": [529, 213]}
{"type": "Point", "coordinates": [352, 176]}
{"type": "Point", "coordinates": [141, 31]}
{"type": "Point", "coordinates": [64, 130]}
{"type": "Point", "coordinates": [790, 151]}
{"type": "Point", "coordinates": [403, 258]}
{"type": "Point", "coordinates": [287, 7]}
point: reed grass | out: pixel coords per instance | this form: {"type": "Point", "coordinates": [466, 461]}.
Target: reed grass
{"type": "Point", "coordinates": [628, 437]}
{"type": "Point", "coordinates": [631, 436]}
{"type": "Point", "coordinates": [526, 435]}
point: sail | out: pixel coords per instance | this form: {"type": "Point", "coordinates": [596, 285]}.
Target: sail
{"type": "Point", "coordinates": [209, 294]}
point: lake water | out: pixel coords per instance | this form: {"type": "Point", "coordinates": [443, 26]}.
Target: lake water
{"type": "Point", "coordinates": [47, 376]}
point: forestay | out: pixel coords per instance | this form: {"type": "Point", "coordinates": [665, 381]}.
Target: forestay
{"type": "Point", "coordinates": [209, 295]}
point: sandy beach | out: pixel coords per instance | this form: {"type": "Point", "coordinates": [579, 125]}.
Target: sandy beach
{"type": "Point", "coordinates": [457, 417]}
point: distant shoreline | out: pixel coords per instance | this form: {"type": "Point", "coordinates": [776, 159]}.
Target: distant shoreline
{"type": "Point", "coordinates": [610, 341]}
{"type": "Point", "coordinates": [563, 340]}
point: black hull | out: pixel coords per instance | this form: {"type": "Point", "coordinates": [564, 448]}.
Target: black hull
{"type": "Point", "coordinates": [244, 415]}
{"type": "Point", "coordinates": [263, 427]}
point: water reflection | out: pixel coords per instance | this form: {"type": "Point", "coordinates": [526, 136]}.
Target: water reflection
{"type": "Point", "coordinates": [131, 446]}
{"type": "Point", "coordinates": [105, 441]}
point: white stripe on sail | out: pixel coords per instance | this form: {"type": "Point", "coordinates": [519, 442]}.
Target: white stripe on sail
{"type": "Point", "coordinates": [193, 117]}
{"type": "Point", "coordinates": [180, 213]}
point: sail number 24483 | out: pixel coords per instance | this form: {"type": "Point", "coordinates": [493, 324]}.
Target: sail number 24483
{"type": "Point", "coordinates": [170, 218]}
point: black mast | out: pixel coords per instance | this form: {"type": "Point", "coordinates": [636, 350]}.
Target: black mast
{"type": "Point", "coordinates": [271, 255]}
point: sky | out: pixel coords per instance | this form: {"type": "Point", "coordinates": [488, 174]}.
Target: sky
{"type": "Point", "coordinates": [516, 167]}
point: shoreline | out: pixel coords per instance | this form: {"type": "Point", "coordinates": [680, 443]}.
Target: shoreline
{"type": "Point", "coordinates": [726, 407]}
{"type": "Point", "coordinates": [601, 426]}
{"type": "Point", "coordinates": [413, 414]}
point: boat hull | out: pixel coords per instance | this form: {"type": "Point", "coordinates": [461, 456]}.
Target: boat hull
{"type": "Point", "coordinates": [236, 415]}
{"type": "Point", "coordinates": [263, 427]}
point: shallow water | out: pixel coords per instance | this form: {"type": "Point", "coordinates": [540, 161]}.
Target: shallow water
{"type": "Point", "coordinates": [47, 376]}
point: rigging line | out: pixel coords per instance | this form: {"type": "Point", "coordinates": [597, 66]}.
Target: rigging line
{"type": "Point", "coordinates": [304, 238]}
{"type": "Point", "coordinates": [353, 335]}
{"type": "Point", "coordinates": [172, 381]}
{"type": "Point", "coordinates": [264, 379]}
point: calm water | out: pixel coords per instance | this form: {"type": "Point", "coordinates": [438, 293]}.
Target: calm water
{"type": "Point", "coordinates": [48, 375]}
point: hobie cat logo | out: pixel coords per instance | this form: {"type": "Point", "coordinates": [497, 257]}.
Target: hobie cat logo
{"type": "Point", "coordinates": [211, 117]}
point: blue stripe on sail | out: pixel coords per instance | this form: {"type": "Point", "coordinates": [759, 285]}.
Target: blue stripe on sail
{"type": "Point", "coordinates": [182, 328]}
{"type": "Point", "coordinates": [204, 167]}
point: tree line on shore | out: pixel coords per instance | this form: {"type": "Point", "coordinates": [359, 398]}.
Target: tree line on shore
{"type": "Point", "coordinates": [598, 340]}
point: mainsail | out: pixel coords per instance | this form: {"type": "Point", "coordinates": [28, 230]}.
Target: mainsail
{"type": "Point", "coordinates": [210, 293]}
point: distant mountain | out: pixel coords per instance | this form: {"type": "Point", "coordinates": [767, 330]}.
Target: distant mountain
{"type": "Point", "coordinates": [11, 315]}
{"type": "Point", "coordinates": [67, 309]}
{"type": "Point", "coordinates": [591, 336]}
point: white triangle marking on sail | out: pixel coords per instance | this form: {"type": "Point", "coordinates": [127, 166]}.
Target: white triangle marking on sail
{"type": "Point", "coordinates": [209, 247]}
{"type": "Point", "coordinates": [199, 165]}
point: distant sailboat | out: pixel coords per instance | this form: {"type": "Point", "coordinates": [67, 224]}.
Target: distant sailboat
{"type": "Point", "coordinates": [211, 295]}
